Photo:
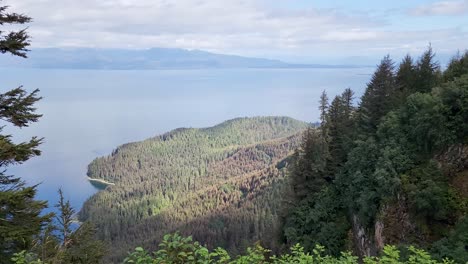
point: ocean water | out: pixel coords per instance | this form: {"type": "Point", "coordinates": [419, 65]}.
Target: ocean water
{"type": "Point", "coordinates": [87, 113]}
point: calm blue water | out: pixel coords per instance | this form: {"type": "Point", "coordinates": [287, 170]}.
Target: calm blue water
{"type": "Point", "coordinates": [89, 113]}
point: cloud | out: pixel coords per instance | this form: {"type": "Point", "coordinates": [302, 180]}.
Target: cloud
{"type": "Point", "coordinates": [183, 23]}
{"type": "Point", "coordinates": [245, 27]}
{"type": "Point", "coordinates": [349, 35]}
{"type": "Point", "coordinates": [442, 8]}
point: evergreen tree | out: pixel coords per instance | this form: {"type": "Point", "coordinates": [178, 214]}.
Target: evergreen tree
{"type": "Point", "coordinates": [377, 99]}
{"type": "Point", "coordinates": [84, 247]}
{"type": "Point", "coordinates": [405, 79]}
{"type": "Point", "coordinates": [340, 127]}
{"type": "Point", "coordinates": [20, 214]}
{"type": "Point", "coordinates": [47, 244]}
{"type": "Point", "coordinates": [336, 117]}
{"type": "Point", "coordinates": [348, 97]}
{"type": "Point", "coordinates": [308, 172]}
{"type": "Point", "coordinates": [64, 219]}
{"type": "Point", "coordinates": [59, 243]}
{"type": "Point", "coordinates": [427, 72]}
{"type": "Point", "coordinates": [323, 108]}
{"type": "Point", "coordinates": [457, 67]}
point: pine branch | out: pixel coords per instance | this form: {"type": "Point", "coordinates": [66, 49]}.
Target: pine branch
{"type": "Point", "coordinates": [14, 42]}
{"type": "Point", "coordinates": [16, 107]}
{"type": "Point", "coordinates": [12, 18]}
{"type": "Point", "coordinates": [11, 153]}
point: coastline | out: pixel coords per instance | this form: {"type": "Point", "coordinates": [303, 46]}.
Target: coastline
{"type": "Point", "coordinates": [100, 181]}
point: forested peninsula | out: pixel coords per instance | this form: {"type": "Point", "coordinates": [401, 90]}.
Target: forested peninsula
{"type": "Point", "coordinates": [221, 184]}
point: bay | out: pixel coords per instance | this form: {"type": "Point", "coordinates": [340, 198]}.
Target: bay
{"type": "Point", "coordinates": [87, 113]}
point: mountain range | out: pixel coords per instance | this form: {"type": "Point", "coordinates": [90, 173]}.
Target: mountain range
{"type": "Point", "coordinates": [143, 59]}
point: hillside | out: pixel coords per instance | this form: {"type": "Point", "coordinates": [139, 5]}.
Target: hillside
{"type": "Point", "coordinates": [220, 184]}
{"type": "Point", "coordinates": [392, 170]}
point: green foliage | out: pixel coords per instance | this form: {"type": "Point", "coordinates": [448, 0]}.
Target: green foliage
{"type": "Point", "coordinates": [457, 67]}
{"type": "Point", "coordinates": [317, 216]}
{"type": "Point", "coordinates": [20, 213]}
{"type": "Point", "coordinates": [65, 218]}
{"type": "Point", "coordinates": [368, 174]}
{"type": "Point", "coordinates": [318, 220]}
{"type": "Point", "coordinates": [377, 99]}
{"type": "Point", "coordinates": [84, 247]}
{"type": "Point", "coordinates": [405, 79]}
{"type": "Point", "coordinates": [388, 179]}
{"type": "Point", "coordinates": [308, 170]}
{"type": "Point", "coordinates": [427, 72]}
{"type": "Point", "coordinates": [176, 249]}
{"type": "Point", "coordinates": [24, 257]}
{"type": "Point", "coordinates": [15, 42]}
{"type": "Point", "coordinates": [59, 243]}
{"type": "Point", "coordinates": [223, 185]}
{"type": "Point", "coordinates": [429, 193]}
{"type": "Point", "coordinates": [454, 246]}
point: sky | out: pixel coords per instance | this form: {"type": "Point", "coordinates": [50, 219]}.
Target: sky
{"type": "Point", "coordinates": [310, 31]}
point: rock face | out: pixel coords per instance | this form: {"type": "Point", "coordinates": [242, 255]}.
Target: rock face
{"type": "Point", "coordinates": [454, 160]}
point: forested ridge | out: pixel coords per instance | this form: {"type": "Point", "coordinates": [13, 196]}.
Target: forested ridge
{"type": "Point", "coordinates": [391, 169]}
{"type": "Point", "coordinates": [223, 185]}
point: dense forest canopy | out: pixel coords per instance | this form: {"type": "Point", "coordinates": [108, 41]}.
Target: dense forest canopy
{"type": "Point", "coordinates": [221, 184]}
{"type": "Point", "coordinates": [391, 170]}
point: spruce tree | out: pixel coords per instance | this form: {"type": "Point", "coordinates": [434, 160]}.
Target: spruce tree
{"type": "Point", "coordinates": [74, 246]}
{"type": "Point", "coordinates": [428, 73]}
{"type": "Point", "coordinates": [336, 116]}
{"type": "Point", "coordinates": [323, 108]}
{"type": "Point", "coordinates": [20, 213]}
{"type": "Point", "coordinates": [65, 218]}
{"type": "Point", "coordinates": [378, 97]}
{"type": "Point", "coordinates": [340, 130]}
{"type": "Point", "coordinates": [405, 79]}
{"type": "Point", "coordinates": [458, 66]}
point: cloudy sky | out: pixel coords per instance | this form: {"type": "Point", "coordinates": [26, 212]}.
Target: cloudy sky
{"type": "Point", "coordinates": [293, 30]}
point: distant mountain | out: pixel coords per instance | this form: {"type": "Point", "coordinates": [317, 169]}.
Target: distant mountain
{"type": "Point", "coordinates": [220, 184]}
{"type": "Point", "coordinates": [155, 58]}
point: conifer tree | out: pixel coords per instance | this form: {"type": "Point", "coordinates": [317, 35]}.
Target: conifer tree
{"type": "Point", "coordinates": [405, 79]}
{"type": "Point", "coordinates": [323, 108]}
{"type": "Point", "coordinates": [65, 218]}
{"type": "Point", "coordinates": [308, 175]}
{"type": "Point", "coordinates": [377, 99]}
{"type": "Point", "coordinates": [77, 246]}
{"type": "Point", "coordinates": [428, 73]}
{"type": "Point", "coordinates": [340, 130]}
{"type": "Point", "coordinates": [458, 66]}
{"type": "Point", "coordinates": [20, 214]}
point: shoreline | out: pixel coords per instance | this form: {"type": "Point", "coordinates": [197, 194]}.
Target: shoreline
{"type": "Point", "coordinates": [100, 181]}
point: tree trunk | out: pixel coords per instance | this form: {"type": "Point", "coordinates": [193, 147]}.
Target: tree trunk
{"type": "Point", "coordinates": [378, 235]}
{"type": "Point", "coordinates": [362, 241]}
